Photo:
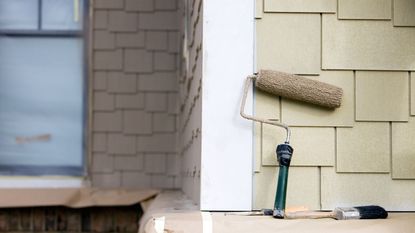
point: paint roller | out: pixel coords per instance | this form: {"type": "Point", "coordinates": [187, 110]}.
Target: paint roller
{"type": "Point", "coordinates": [292, 87]}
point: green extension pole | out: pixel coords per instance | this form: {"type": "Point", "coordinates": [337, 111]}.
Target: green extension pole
{"type": "Point", "coordinates": [284, 154]}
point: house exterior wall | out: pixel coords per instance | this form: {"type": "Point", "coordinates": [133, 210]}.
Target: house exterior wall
{"type": "Point", "coordinates": [190, 95]}
{"type": "Point", "coordinates": [122, 219]}
{"type": "Point", "coordinates": [135, 45]}
{"type": "Point", "coordinates": [363, 152]}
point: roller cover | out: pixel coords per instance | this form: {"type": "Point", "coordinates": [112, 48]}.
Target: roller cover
{"type": "Point", "coordinates": [299, 88]}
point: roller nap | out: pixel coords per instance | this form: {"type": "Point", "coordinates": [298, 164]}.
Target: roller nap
{"type": "Point", "coordinates": [299, 88]}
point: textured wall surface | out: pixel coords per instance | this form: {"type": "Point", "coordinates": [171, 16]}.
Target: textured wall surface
{"type": "Point", "coordinates": [135, 91]}
{"type": "Point", "coordinates": [122, 219]}
{"type": "Point", "coordinates": [190, 88]}
{"type": "Point", "coordinates": [363, 152]}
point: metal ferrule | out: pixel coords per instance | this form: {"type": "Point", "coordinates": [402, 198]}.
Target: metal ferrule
{"type": "Point", "coordinates": [346, 213]}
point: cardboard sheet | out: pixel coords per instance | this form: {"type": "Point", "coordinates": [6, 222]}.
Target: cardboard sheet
{"type": "Point", "coordinates": [73, 197]}
{"type": "Point", "coordinates": [194, 222]}
{"type": "Point", "coordinates": [172, 212]}
{"type": "Point", "coordinates": [171, 201]}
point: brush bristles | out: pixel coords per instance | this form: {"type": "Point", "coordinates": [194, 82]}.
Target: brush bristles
{"type": "Point", "coordinates": [371, 212]}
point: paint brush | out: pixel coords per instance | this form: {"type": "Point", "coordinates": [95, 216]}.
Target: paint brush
{"type": "Point", "coordinates": [341, 213]}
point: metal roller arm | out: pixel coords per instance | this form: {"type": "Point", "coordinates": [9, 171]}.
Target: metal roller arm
{"type": "Point", "coordinates": [248, 80]}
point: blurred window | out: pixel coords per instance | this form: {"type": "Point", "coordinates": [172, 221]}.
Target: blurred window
{"type": "Point", "coordinates": [42, 87]}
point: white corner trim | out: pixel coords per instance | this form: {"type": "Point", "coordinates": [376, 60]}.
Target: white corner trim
{"type": "Point", "coordinates": [228, 57]}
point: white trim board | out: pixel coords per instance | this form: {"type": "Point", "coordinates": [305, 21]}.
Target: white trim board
{"type": "Point", "coordinates": [41, 182]}
{"type": "Point", "coordinates": [228, 57]}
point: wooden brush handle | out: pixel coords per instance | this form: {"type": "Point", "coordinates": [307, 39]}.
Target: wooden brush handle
{"type": "Point", "coordinates": [309, 215]}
